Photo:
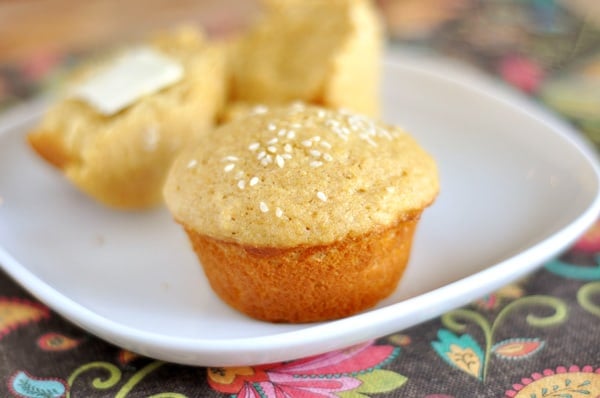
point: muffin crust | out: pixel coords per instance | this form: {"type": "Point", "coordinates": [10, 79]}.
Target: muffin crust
{"type": "Point", "coordinates": [308, 283]}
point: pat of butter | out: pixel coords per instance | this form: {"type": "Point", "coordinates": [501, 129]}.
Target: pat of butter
{"type": "Point", "coordinates": [137, 73]}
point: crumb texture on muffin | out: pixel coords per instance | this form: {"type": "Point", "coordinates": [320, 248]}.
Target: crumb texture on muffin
{"type": "Point", "coordinates": [299, 175]}
{"type": "Point", "coordinates": [320, 52]}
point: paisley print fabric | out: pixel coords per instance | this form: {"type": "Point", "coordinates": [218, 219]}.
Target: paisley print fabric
{"type": "Point", "coordinates": [537, 337]}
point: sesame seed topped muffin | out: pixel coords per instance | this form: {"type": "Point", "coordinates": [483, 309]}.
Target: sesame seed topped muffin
{"type": "Point", "coordinates": [301, 213]}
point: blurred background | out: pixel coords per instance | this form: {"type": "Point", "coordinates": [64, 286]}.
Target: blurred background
{"type": "Point", "coordinates": [548, 49]}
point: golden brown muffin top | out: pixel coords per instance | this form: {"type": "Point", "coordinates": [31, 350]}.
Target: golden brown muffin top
{"type": "Point", "coordinates": [299, 175]}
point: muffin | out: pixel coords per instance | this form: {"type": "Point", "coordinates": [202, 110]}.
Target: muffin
{"type": "Point", "coordinates": [120, 157]}
{"type": "Point", "coordinates": [301, 213]}
{"type": "Point", "coordinates": [321, 52]}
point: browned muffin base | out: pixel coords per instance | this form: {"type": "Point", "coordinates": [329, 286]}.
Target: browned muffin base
{"type": "Point", "coordinates": [307, 284]}
{"type": "Point", "coordinates": [49, 148]}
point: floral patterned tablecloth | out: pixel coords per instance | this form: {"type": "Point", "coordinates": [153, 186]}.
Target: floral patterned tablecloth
{"type": "Point", "coordinates": [538, 337]}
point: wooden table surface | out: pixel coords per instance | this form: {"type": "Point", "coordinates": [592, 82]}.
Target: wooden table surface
{"type": "Point", "coordinates": [31, 26]}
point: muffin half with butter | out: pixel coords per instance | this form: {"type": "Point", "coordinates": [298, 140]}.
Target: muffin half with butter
{"type": "Point", "coordinates": [300, 213]}
{"type": "Point", "coordinates": [123, 119]}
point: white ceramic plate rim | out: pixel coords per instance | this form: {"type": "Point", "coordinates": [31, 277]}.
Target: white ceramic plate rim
{"type": "Point", "coordinates": [322, 337]}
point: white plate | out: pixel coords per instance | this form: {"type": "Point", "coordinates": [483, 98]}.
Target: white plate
{"type": "Point", "coordinates": [518, 186]}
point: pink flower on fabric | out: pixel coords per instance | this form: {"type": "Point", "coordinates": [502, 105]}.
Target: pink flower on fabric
{"type": "Point", "coordinates": [320, 376]}
{"type": "Point", "coordinates": [590, 241]}
{"type": "Point", "coordinates": [523, 73]}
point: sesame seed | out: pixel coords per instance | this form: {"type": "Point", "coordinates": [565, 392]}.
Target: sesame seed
{"type": "Point", "coordinates": [230, 159]}
{"type": "Point", "coordinates": [254, 181]}
{"type": "Point", "coordinates": [254, 146]}
{"type": "Point", "coordinates": [325, 144]}
{"type": "Point", "coordinates": [322, 196]}
{"type": "Point", "coordinates": [192, 163]}
{"type": "Point", "coordinates": [315, 153]}
{"type": "Point", "coordinates": [261, 155]}
{"type": "Point", "coordinates": [307, 143]}
{"type": "Point", "coordinates": [296, 125]}
{"type": "Point", "coordinates": [390, 189]}
{"type": "Point", "coordinates": [367, 138]}
{"type": "Point", "coordinates": [229, 167]}
{"type": "Point", "coordinates": [239, 175]}
{"type": "Point", "coordinates": [357, 119]}
{"type": "Point", "coordinates": [278, 212]}
{"type": "Point", "coordinates": [321, 113]}
{"type": "Point", "coordinates": [271, 127]}
{"type": "Point", "coordinates": [339, 133]}
{"type": "Point", "coordinates": [287, 148]}
{"type": "Point", "coordinates": [272, 149]}
{"type": "Point", "coordinates": [241, 184]}
{"type": "Point", "coordinates": [291, 134]}
{"type": "Point", "coordinates": [281, 132]}
{"type": "Point", "coordinates": [327, 157]}
{"type": "Point", "coordinates": [298, 105]}
{"type": "Point", "coordinates": [279, 160]}
{"type": "Point", "coordinates": [266, 160]}
{"type": "Point", "coordinates": [316, 163]}
{"type": "Point", "coordinates": [272, 141]}
{"type": "Point", "coordinates": [263, 207]}
{"type": "Point", "coordinates": [260, 109]}
{"type": "Point", "coordinates": [316, 138]}
{"type": "Point", "coordinates": [385, 133]}
{"type": "Point", "coordinates": [286, 156]}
